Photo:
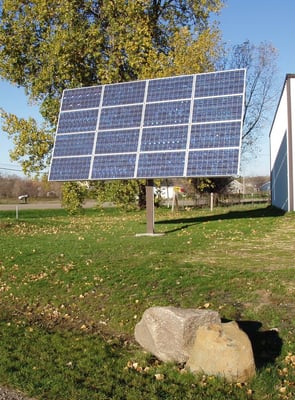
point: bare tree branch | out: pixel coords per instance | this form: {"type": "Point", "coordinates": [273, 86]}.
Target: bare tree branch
{"type": "Point", "coordinates": [260, 62]}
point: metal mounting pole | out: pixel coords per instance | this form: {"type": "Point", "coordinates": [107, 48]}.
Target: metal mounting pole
{"type": "Point", "coordinates": [150, 211]}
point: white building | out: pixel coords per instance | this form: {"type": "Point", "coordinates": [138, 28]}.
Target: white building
{"type": "Point", "coordinates": [282, 148]}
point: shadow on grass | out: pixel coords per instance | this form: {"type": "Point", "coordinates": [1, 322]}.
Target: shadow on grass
{"type": "Point", "coordinates": [263, 212]}
{"type": "Point", "coordinates": [266, 345]}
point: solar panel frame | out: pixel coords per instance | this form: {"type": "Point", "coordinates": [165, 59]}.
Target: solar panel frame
{"type": "Point", "coordinates": [157, 128]}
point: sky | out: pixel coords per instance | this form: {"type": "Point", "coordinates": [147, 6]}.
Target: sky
{"type": "Point", "coordinates": [255, 20]}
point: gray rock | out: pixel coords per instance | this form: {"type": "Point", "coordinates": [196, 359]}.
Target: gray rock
{"type": "Point", "coordinates": [169, 332]}
{"type": "Point", "coordinates": [224, 351]}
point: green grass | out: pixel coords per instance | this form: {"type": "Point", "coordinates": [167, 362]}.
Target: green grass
{"type": "Point", "coordinates": [73, 288]}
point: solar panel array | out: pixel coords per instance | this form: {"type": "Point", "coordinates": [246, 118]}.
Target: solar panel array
{"type": "Point", "coordinates": [183, 126]}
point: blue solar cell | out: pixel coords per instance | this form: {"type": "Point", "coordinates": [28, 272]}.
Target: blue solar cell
{"type": "Point", "coordinates": [225, 134]}
{"type": "Point", "coordinates": [120, 141]}
{"type": "Point", "coordinates": [67, 169]}
{"type": "Point", "coordinates": [170, 113]}
{"type": "Point", "coordinates": [114, 166]}
{"type": "Point", "coordinates": [179, 87]}
{"type": "Point", "coordinates": [76, 99]}
{"type": "Point", "coordinates": [146, 125]}
{"type": "Point", "coordinates": [164, 138]}
{"type": "Point", "coordinates": [120, 117]}
{"type": "Point", "coordinates": [124, 93]}
{"type": "Point", "coordinates": [221, 162]}
{"type": "Point", "coordinates": [73, 145]}
{"type": "Point", "coordinates": [219, 83]}
{"type": "Point", "coordinates": [161, 165]}
{"type": "Point", "coordinates": [218, 109]}
{"type": "Point", "coordinates": [77, 121]}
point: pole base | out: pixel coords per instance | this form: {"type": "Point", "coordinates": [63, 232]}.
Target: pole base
{"type": "Point", "coordinates": [149, 234]}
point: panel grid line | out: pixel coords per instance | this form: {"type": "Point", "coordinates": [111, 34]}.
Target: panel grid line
{"type": "Point", "coordinates": [141, 128]}
{"type": "Point", "coordinates": [189, 126]}
{"type": "Point", "coordinates": [84, 109]}
{"type": "Point", "coordinates": [96, 133]}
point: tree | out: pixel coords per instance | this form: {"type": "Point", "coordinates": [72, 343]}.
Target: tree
{"type": "Point", "coordinates": [261, 92]}
{"type": "Point", "coordinates": [208, 185]}
{"type": "Point", "coordinates": [120, 192]}
{"type": "Point", "coordinates": [32, 143]}
{"type": "Point", "coordinates": [73, 196]}
{"type": "Point", "coordinates": [47, 46]}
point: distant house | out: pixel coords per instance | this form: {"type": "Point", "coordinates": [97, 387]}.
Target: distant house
{"type": "Point", "coordinates": [246, 186]}
{"type": "Point", "coordinates": [235, 187]}
{"type": "Point", "coordinates": [282, 148]}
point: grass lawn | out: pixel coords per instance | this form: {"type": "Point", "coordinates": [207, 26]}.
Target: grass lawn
{"type": "Point", "coordinates": [73, 288]}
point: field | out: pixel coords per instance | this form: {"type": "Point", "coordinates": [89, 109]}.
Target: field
{"type": "Point", "coordinates": [73, 287]}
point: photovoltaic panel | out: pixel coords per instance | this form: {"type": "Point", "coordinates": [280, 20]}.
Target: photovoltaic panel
{"type": "Point", "coordinates": [170, 88]}
{"type": "Point", "coordinates": [164, 138]}
{"type": "Point", "coordinates": [219, 83]}
{"type": "Point", "coordinates": [217, 109]}
{"type": "Point", "coordinates": [120, 117]}
{"type": "Point", "coordinates": [180, 126]}
{"type": "Point", "coordinates": [168, 113]}
{"type": "Point", "coordinates": [124, 93]}
{"type": "Point", "coordinates": [70, 168]}
{"type": "Point", "coordinates": [215, 135]}
{"type": "Point", "coordinates": [117, 141]}
{"type": "Point", "coordinates": [119, 165]}
{"type": "Point", "coordinates": [220, 162]}
{"type": "Point", "coordinates": [77, 121]}
{"type": "Point", "coordinates": [81, 98]}
{"type": "Point", "coordinates": [162, 164]}
{"type": "Point", "coordinates": [76, 144]}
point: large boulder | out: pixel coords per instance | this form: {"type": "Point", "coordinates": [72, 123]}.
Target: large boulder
{"type": "Point", "coordinates": [222, 350]}
{"type": "Point", "coordinates": [169, 332]}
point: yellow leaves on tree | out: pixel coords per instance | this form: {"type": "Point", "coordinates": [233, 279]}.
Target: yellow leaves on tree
{"type": "Point", "coordinates": [32, 145]}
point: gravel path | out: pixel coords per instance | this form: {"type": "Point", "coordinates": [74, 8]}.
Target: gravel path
{"type": "Point", "coordinates": [8, 394]}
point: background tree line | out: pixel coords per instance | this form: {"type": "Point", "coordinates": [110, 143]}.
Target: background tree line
{"type": "Point", "coordinates": [12, 186]}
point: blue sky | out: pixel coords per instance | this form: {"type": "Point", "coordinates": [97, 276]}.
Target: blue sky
{"type": "Point", "coordinates": [256, 20]}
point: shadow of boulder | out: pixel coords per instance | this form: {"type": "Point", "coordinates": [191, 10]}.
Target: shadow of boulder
{"type": "Point", "coordinates": [266, 345]}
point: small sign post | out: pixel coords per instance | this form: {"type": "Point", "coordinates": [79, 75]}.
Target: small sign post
{"type": "Point", "coordinates": [211, 201]}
